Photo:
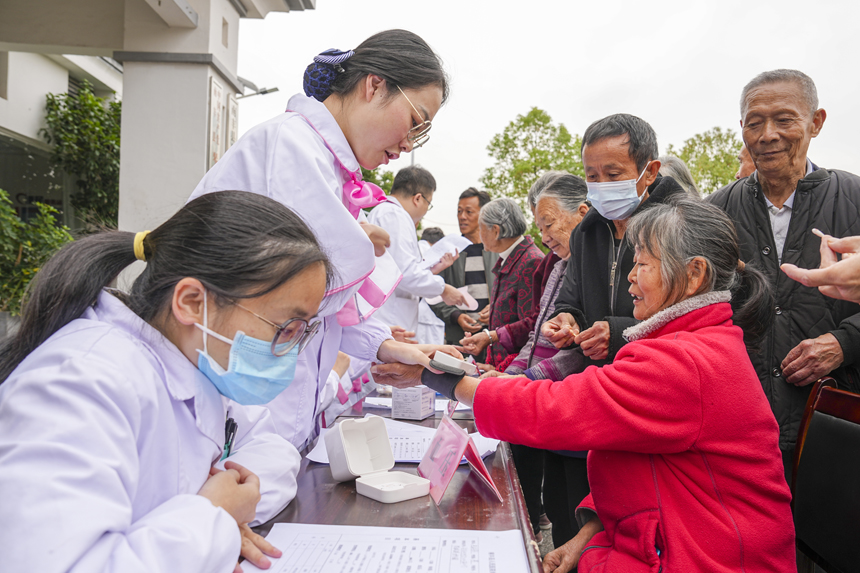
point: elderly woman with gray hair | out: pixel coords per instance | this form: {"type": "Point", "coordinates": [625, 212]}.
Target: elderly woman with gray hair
{"type": "Point", "coordinates": [684, 460]}
{"type": "Point", "coordinates": [515, 334]}
{"type": "Point", "coordinates": [560, 207]}
{"type": "Point", "coordinates": [502, 225]}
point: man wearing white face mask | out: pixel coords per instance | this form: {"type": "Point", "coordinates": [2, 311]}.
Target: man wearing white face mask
{"type": "Point", "coordinates": [593, 308]}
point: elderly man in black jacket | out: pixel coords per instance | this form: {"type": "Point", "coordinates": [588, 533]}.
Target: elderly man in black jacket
{"type": "Point", "coordinates": [775, 210]}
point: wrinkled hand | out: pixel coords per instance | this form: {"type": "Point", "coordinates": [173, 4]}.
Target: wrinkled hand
{"type": "Point", "coordinates": [446, 261]}
{"type": "Point", "coordinates": [562, 559]}
{"type": "Point", "coordinates": [468, 324]}
{"type": "Point", "coordinates": [594, 341]}
{"type": "Point", "coordinates": [397, 375]}
{"type": "Point", "coordinates": [812, 359]}
{"type": "Point", "coordinates": [400, 334]}
{"type": "Point", "coordinates": [496, 374]}
{"type": "Point", "coordinates": [341, 364]}
{"type": "Point", "coordinates": [255, 548]}
{"type": "Point", "coordinates": [484, 315]}
{"type": "Point", "coordinates": [561, 330]}
{"type": "Point", "coordinates": [236, 490]}
{"type": "Point", "coordinates": [834, 278]}
{"type": "Point", "coordinates": [565, 558]}
{"type": "Point", "coordinates": [378, 236]}
{"type": "Point", "coordinates": [453, 297]}
{"type": "Point", "coordinates": [474, 343]}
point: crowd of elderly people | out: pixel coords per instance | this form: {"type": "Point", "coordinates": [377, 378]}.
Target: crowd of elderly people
{"type": "Point", "coordinates": [673, 339]}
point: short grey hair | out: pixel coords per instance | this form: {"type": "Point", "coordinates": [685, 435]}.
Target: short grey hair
{"type": "Point", "coordinates": [507, 215]}
{"type": "Point", "coordinates": [674, 167]}
{"type": "Point", "coordinates": [541, 184]}
{"type": "Point", "coordinates": [683, 228]}
{"type": "Point", "coordinates": [807, 87]}
{"type": "Point", "coordinates": [642, 146]}
{"type": "Point", "coordinates": [568, 190]}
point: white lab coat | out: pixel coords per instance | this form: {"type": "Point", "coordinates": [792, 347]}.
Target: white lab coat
{"type": "Point", "coordinates": [107, 432]}
{"type": "Point", "coordinates": [402, 308]}
{"type": "Point", "coordinates": [305, 169]}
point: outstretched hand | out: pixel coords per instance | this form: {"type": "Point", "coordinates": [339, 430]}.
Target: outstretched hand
{"type": "Point", "coordinates": [834, 278]}
{"type": "Point", "coordinates": [560, 330]}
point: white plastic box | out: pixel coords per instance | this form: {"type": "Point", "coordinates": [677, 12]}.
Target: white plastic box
{"type": "Point", "coordinates": [359, 449]}
{"type": "Point", "coordinates": [413, 403]}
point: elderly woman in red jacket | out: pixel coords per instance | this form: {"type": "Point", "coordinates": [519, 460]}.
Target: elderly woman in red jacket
{"type": "Point", "coordinates": [684, 464]}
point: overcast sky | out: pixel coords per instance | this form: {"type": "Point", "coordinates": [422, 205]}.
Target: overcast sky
{"type": "Point", "coordinates": [680, 65]}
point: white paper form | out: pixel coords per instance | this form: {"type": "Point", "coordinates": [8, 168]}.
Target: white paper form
{"type": "Point", "coordinates": [408, 443]}
{"type": "Point", "coordinates": [353, 549]}
{"type": "Point", "coordinates": [447, 244]}
{"type": "Point", "coordinates": [385, 403]}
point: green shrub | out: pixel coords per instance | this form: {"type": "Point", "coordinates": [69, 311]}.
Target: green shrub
{"type": "Point", "coordinates": [24, 248]}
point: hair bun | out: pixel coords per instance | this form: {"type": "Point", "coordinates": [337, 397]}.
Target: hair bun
{"type": "Point", "coordinates": [323, 71]}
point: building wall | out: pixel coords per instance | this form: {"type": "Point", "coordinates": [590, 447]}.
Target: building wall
{"type": "Point", "coordinates": [31, 77]}
{"type": "Point", "coordinates": [25, 171]}
{"type": "Point", "coordinates": [157, 174]}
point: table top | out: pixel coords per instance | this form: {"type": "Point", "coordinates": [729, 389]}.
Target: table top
{"type": "Point", "coordinates": [467, 503]}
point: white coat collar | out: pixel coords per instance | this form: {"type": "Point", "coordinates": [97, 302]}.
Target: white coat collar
{"type": "Point", "coordinates": [182, 379]}
{"type": "Point", "coordinates": [667, 315]}
{"type": "Point", "coordinates": [323, 122]}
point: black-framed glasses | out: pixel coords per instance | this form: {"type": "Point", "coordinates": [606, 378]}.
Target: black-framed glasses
{"type": "Point", "coordinates": [296, 331]}
{"type": "Point", "coordinates": [429, 203]}
{"type": "Point", "coordinates": [418, 135]}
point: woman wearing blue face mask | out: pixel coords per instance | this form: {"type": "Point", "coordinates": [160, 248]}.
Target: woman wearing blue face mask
{"type": "Point", "coordinates": [112, 418]}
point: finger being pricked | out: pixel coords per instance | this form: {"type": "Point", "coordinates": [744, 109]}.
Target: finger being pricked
{"type": "Point", "coordinates": [255, 548]}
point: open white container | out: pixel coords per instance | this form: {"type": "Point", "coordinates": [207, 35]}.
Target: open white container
{"type": "Point", "coordinates": [359, 449]}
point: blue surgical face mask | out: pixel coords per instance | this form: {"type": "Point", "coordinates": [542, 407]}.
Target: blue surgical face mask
{"type": "Point", "coordinates": [254, 375]}
{"type": "Point", "coordinates": [615, 199]}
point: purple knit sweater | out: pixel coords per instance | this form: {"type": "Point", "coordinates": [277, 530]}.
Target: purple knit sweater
{"type": "Point", "coordinates": [542, 360]}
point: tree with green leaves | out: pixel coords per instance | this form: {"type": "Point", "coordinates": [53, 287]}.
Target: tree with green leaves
{"type": "Point", "coordinates": [711, 156]}
{"type": "Point", "coordinates": [528, 147]}
{"type": "Point", "coordinates": [84, 130]}
{"type": "Point", "coordinates": [24, 248]}
{"type": "Point", "coordinates": [384, 179]}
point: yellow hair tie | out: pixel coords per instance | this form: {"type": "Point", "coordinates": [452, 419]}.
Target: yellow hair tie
{"type": "Point", "coordinates": [138, 245]}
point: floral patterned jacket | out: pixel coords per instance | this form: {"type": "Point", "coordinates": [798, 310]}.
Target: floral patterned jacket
{"type": "Point", "coordinates": [512, 298]}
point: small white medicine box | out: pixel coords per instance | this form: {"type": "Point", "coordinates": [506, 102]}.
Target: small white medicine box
{"type": "Point", "coordinates": [359, 449]}
{"type": "Point", "coordinates": [413, 403]}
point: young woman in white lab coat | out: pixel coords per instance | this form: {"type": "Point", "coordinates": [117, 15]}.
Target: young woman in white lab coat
{"type": "Point", "coordinates": [112, 421]}
{"type": "Point", "coordinates": [361, 108]}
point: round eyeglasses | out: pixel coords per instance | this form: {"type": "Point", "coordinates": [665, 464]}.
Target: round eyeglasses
{"type": "Point", "coordinates": [420, 133]}
{"type": "Point", "coordinates": [296, 331]}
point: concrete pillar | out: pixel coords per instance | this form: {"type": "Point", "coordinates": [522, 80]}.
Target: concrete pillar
{"type": "Point", "coordinates": [178, 84]}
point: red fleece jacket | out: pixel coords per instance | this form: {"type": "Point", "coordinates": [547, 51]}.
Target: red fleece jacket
{"type": "Point", "coordinates": [684, 450]}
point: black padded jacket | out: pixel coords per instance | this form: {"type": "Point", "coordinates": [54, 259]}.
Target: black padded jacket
{"type": "Point", "coordinates": [828, 200]}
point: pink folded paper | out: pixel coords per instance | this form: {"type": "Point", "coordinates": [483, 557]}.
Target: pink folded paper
{"type": "Point", "coordinates": [449, 445]}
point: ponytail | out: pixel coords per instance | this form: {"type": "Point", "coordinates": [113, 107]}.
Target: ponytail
{"type": "Point", "coordinates": [684, 228]}
{"type": "Point", "coordinates": [238, 244]}
{"type": "Point", "coordinates": [63, 289]}
{"type": "Point", "coordinates": [752, 302]}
